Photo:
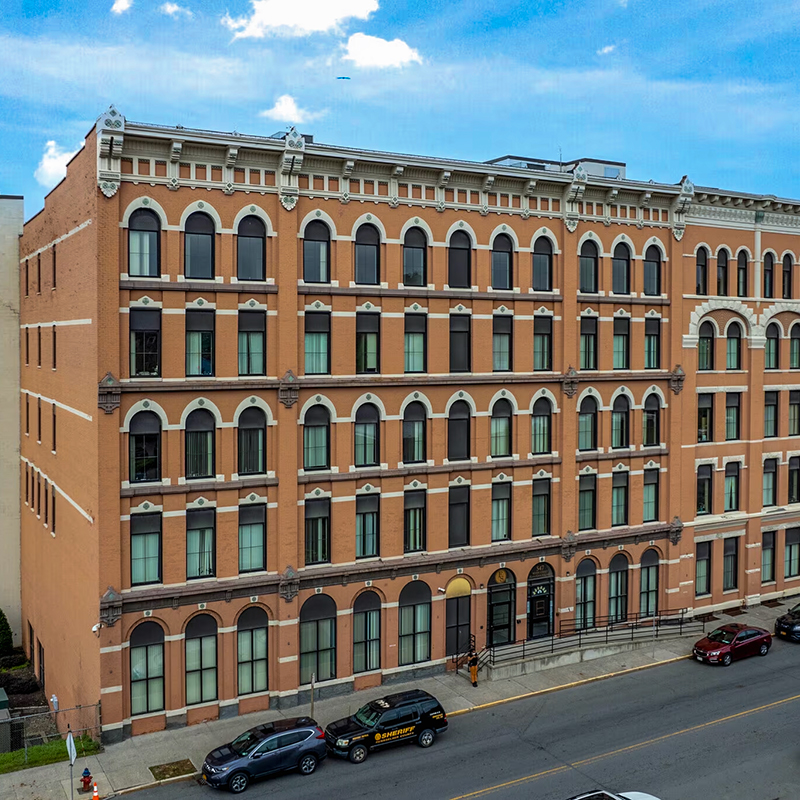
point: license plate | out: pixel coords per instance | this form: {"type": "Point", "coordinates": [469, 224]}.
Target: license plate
{"type": "Point", "coordinates": [782, 633]}
{"type": "Point", "coordinates": [699, 658]}
{"type": "Point", "coordinates": [204, 777]}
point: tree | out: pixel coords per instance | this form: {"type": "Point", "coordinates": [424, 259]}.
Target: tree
{"type": "Point", "coordinates": [6, 640]}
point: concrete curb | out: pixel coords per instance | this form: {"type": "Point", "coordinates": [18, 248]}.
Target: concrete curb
{"type": "Point", "coordinates": [153, 785]}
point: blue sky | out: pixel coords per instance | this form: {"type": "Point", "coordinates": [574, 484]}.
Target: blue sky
{"type": "Point", "coordinates": [707, 88]}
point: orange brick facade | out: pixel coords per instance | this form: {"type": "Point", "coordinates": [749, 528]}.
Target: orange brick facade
{"type": "Point", "coordinates": [490, 578]}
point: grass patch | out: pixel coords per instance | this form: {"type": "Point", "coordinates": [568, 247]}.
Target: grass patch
{"type": "Point", "coordinates": [173, 770]}
{"type": "Point", "coordinates": [49, 753]}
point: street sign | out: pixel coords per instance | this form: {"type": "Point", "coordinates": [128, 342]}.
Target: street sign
{"type": "Point", "coordinates": [71, 749]}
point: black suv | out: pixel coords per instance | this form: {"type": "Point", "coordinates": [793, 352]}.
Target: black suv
{"type": "Point", "coordinates": [403, 717]}
{"type": "Point", "coordinates": [788, 625]}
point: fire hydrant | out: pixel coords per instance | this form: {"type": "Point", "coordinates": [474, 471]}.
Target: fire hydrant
{"type": "Point", "coordinates": [86, 781]}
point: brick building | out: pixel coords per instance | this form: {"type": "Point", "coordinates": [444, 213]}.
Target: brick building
{"type": "Point", "coordinates": [292, 409]}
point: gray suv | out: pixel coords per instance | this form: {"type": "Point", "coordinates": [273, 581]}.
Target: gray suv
{"type": "Point", "coordinates": [278, 746]}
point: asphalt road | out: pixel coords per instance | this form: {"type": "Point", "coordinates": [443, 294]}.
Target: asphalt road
{"type": "Point", "coordinates": [680, 732]}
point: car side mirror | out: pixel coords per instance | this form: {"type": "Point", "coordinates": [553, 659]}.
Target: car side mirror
{"type": "Point", "coordinates": [255, 755]}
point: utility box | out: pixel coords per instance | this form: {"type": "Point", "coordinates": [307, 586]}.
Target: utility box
{"type": "Point", "coordinates": [3, 699]}
{"type": "Point", "coordinates": [5, 728]}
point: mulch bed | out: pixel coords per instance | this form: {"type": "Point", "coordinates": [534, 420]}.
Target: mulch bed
{"type": "Point", "coordinates": [772, 603]}
{"type": "Point", "coordinates": [733, 612]}
{"type": "Point", "coordinates": [173, 770]}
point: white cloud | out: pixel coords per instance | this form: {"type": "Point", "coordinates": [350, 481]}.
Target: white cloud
{"type": "Point", "coordinates": [372, 51]}
{"type": "Point", "coordinates": [53, 166]}
{"type": "Point", "coordinates": [282, 18]}
{"type": "Point", "coordinates": [121, 5]}
{"type": "Point", "coordinates": [173, 10]}
{"type": "Point", "coordinates": [604, 51]}
{"type": "Point", "coordinates": [287, 110]}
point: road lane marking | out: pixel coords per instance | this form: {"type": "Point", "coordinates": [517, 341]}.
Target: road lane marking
{"type": "Point", "coordinates": [591, 760]}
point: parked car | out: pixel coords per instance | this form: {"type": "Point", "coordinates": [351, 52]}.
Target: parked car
{"type": "Point", "coordinates": [413, 716]}
{"type": "Point", "coordinates": [278, 746]}
{"type": "Point", "coordinates": [602, 795]}
{"type": "Point", "coordinates": [787, 626]}
{"type": "Point", "coordinates": [730, 642]}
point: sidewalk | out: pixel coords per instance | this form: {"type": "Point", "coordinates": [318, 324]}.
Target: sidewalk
{"type": "Point", "coordinates": [126, 765]}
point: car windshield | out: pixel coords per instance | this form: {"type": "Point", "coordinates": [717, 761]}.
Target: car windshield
{"type": "Point", "coordinates": [243, 744]}
{"type": "Point", "coordinates": [367, 716]}
{"type": "Point", "coordinates": [795, 610]}
{"type": "Point", "coordinates": [722, 636]}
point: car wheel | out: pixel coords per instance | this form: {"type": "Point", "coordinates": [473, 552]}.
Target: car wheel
{"type": "Point", "coordinates": [307, 764]}
{"type": "Point", "coordinates": [239, 782]}
{"type": "Point", "coordinates": [425, 739]}
{"type": "Point", "coordinates": [358, 754]}
{"type": "Point", "coordinates": [764, 649]}
{"type": "Point", "coordinates": [726, 660]}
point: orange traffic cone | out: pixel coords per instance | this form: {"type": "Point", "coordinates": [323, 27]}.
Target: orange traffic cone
{"type": "Point", "coordinates": [94, 793]}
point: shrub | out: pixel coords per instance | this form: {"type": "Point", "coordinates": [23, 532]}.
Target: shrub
{"type": "Point", "coordinates": [6, 639]}
{"type": "Point", "coordinates": [18, 682]}
{"type": "Point", "coordinates": [14, 660]}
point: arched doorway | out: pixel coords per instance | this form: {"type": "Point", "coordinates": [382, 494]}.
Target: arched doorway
{"type": "Point", "coordinates": [500, 622]}
{"type": "Point", "coordinates": [457, 616]}
{"type": "Point", "coordinates": [541, 599]}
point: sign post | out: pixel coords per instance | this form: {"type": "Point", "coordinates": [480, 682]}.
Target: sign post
{"type": "Point", "coordinates": [71, 752]}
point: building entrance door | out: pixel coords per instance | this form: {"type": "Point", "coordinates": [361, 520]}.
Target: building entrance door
{"type": "Point", "coordinates": [541, 596]}
{"type": "Point", "coordinates": [500, 622]}
{"type": "Point", "coordinates": [457, 616]}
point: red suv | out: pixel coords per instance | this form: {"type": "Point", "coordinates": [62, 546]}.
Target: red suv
{"type": "Point", "coordinates": [732, 641]}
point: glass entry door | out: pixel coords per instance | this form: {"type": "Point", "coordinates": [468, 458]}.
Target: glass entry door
{"type": "Point", "coordinates": [541, 591]}
{"type": "Point", "coordinates": [500, 623]}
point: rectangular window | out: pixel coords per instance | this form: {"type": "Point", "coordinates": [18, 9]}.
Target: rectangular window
{"type": "Point", "coordinates": [199, 256]}
{"type": "Point", "coordinates": [501, 269]}
{"type": "Point", "coordinates": [251, 660]}
{"type": "Point", "coordinates": [705, 418]}
{"type": "Point", "coordinates": [416, 347]}
{"type": "Point", "coordinates": [317, 343]}
{"type": "Point", "coordinates": [794, 480]}
{"type": "Point", "coordinates": [620, 283]}
{"type": "Point", "coordinates": [39, 346]}
{"type": "Point", "coordinates": [622, 329]}
{"type": "Point", "coordinates": [252, 342]}
{"type": "Point", "coordinates": [770, 414]}
{"type": "Point", "coordinates": [39, 274]}
{"type": "Point", "coordinates": [367, 525]}
{"type": "Point", "coordinates": [27, 278]}
{"type": "Point", "coordinates": [791, 557]}
{"type": "Point", "coordinates": [414, 522]}
{"type": "Point", "coordinates": [588, 275]}
{"type": "Point", "coordinates": [541, 507]}
{"type": "Point", "coordinates": [619, 498]}
{"type": "Point", "coordinates": [794, 413]}
{"type": "Point", "coordinates": [368, 328]}
{"type": "Point", "coordinates": [794, 349]}
{"type": "Point", "coordinates": [704, 486]}
{"type": "Point", "coordinates": [501, 343]}
{"type": "Point", "coordinates": [39, 420]}
{"type": "Point", "coordinates": [27, 346]}
{"type": "Point", "coordinates": [768, 557]}
{"type": "Point", "coordinates": [199, 343]}
{"type": "Point", "coordinates": [588, 343]}
{"type": "Point", "coordinates": [730, 563]}
{"type": "Point", "coordinates": [27, 414]}
{"type": "Point", "coordinates": [732, 486]}
{"type": "Point", "coordinates": [315, 261]}
{"type": "Point", "coordinates": [145, 549]}
{"type": "Point", "coordinates": [318, 531]}
{"type": "Point", "coordinates": [542, 343]}
{"type": "Point", "coordinates": [652, 344]}
{"type": "Point", "coordinates": [460, 343]}
{"type": "Point", "coordinates": [732, 415]}
{"type": "Point", "coordinates": [769, 485]}
{"type": "Point", "coordinates": [54, 348]}
{"type": "Point", "coordinates": [200, 550]}
{"type": "Point", "coordinates": [702, 569]}
{"type": "Point", "coordinates": [201, 669]}
{"type": "Point", "coordinates": [650, 497]}
{"type": "Point", "coordinates": [252, 538]}
{"type": "Point", "coordinates": [586, 502]}
{"type": "Point", "coordinates": [367, 639]}
{"type": "Point", "coordinates": [143, 254]}
{"type": "Point", "coordinates": [366, 263]}
{"type": "Point", "coordinates": [733, 352]}
{"type": "Point", "coordinates": [501, 512]}
{"type": "Point", "coordinates": [458, 528]}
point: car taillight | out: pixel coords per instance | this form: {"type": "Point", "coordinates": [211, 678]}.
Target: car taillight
{"type": "Point", "coordinates": [321, 734]}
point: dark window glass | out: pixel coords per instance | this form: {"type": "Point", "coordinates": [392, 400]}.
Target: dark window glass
{"type": "Point", "coordinates": [787, 277]}
{"type": "Point", "coordinates": [458, 528]}
{"type": "Point", "coordinates": [200, 545]}
{"type": "Point", "coordinates": [770, 483]}
{"type": "Point", "coordinates": [650, 495]}
{"type": "Point", "coordinates": [145, 447]}
{"type": "Point", "coordinates": [367, 441]}
{"type": "Point", "coordinates": [460, 343]}
{"type": "Point", "coordinates": [652, 271]}
{"type": "Point", "coordinates": [542, 343]}
{"type": "Point", "coordinates": [317, 343]}
{"type": "Point", "coordinates": [199, 246]}
{"type": "Point", "coordinates": [501, 343]}
{"type": "Point", "coordinates": [732, 415]}
{"type": "Point", "coordinates": [500, 430]}
{"type": "Point", "coordinates": [794, 413]}
{"type": "Point", "coordinates": [619, 498]}
{"type": "Point", "coordinates": [144, 237]}
{"type": "Point", "coordinates": [252, 442]}
{"type": "Point", "coordinates": [147, 667]}
{"type": "Point", "coordinates": [702, 579]}
{"type": "Point", "coordinates": [730, 563]}
{"type": "Point", "coordinates": [368, 337]}
{"type": "Point", "coordinates": [318, 531]}
{"type": "Point", "coordinates": [705, 347]}
{"type": "Point", "coordinates": [772, 347]}
{"type": "Point", "coordinates": [705, 418]}
{"type": "Point", "coordinates": [415, 249]}
{"type": "Point", "coordinates": [651, 418]}
{"type": "Point", "coordinates": [501, 512]}
{"type": "Point", "coordinates": [252, 342]}
{"type": "Point", "coordinates": [458, 432]}
{"type": "Point", "coordinates": [770, 414]}
{"type": "Point", "coordinates": [618, 588]}
{"type": "Point", "coordinates": [367, 632]}
{"type": "Point", "coordinates": [587, 502]}
{"type": "Point", "coordinates": [316, 438]}
{"type": "Point", "coordinates": [587, 424]}
{"type": "Point", "coordinates": [722, 273]}
{"type": "Point", "coordinates": [366, 251]}
{"type": "Point", "coordinates": [794, 347]}
{"type": "Point", "coordinates": [791, 563]}
{"type": "Point", "coordinates": [415, 623]}
{"type": "Point", "coordinates": [585, 594]}
{"type": "Point", "coordinates": [459, 274]}
{"type": "Point", "coordinates": [414, 521]}
{"type": "Point", "coordinates": [542, 265]}
{"type": "Point", "coordinates": [199, 343]}
{"type": "Point", "coordinates": [741, 274]}
{"type": "Point", "coordinates": [768, 557]}
{"type": "Point", "coordinates": [145, 549]}
{"type": "Point", "coordinates": [620, 422]}
{"type": "Point", "coordinates": [252, 537]}
{"type": "Point", "coordinates": [622, 343]}
{"type": "Point", "coordinates": [652, 343]}
{"type": "Point", "coordinates": [251, 250]}
{"type": "Point", "coordinates": [733, 348]}
{"type": "Point", "coordinates": [621, 270]}
{"type": "Point", "coordinates": [318, 639]}
{"type": "Point", "coordinates": [769, 275]}
{"type": "Point", "coordinates": [541, 507]}
{"type": "Point", "coordinates": [145, 331]}
{"type": "Point", "coordinates": [701, 269]}
{"type": "Point", "coordinates": [200, 430]}
{"type": "Point", "coordinates": [704, 493]}
{"type": "Point", "coordinates": [794, 479]}
{"type": "Point", "coordinates": [367, 525]}
{"type": "Point", "coordinates": [316, 252]}
{"type": "Point", "coordinates": [502, 259]}
{"type": "Point", "coordinates": [416, 343]}
{"type": "Point", "coordinates": [588, 343]}
{"type": "Point", "coordinates": [414, 433]}
{"type": "Point", "coordinates": [251, 659]}
{"type": "Point", "coordinates": [588, 268]}
{"type": "Point", "coordinates": [541, 427]}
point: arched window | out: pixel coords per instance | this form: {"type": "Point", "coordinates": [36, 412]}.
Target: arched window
{"type": "Point", "coordinates": [198, 238]}
{"type": "Point", "coordinates": [316, 438]}
{"type": "Point", "coordinates": [722, 273]}
{"type": "Point", "coordinates": [621, 270]}
{"type": "Point", "coordinates": [459, 273]}
{"type": "Point", "coordinates": [414, 419]}
{"type": "Point", "coordinates": [620, 422]}
{"type": "Point", "coordinates": [741, 274]}
{"type": "Point", "coordinates": [648, 588]}
{"type": "Point", "coordinates": [502, 255]}
{"type": "Point", "coordinates": [701, 272]}
{"type": "Point", "coordinates": [367, 442]}
{"type": "Point", "coordinates": [588, 268]}
{"type": "Point", "coordinates": [794, 347]}
{"type": "Point", "coordinates": [144, 440]}
{"type": "Point", "coordinates": [251, 631]}
{"type": "Point", "coordinates": [587, 424]}
{"type": "Point", "coordinates": [367, 255]}
{"type": "Point", "coordinates": [251, 249]}
{"type": "Point", "coordinates": [618, 589]}
{"type": "Point", "coordinates": [542, 265]}
{"type": "Point", "coordinates": [651, 428]}
{"type": "Point", "coordinates": [705, 347]}
{"type": "Point", "coordinates": [769, 275]}
{"type": "Point", "coordinates": [201, 659]}
{"type": "Point", "coordinates": [787, 277]}
{"type": "Point", "coordinates": [652, 271]}
{"type": "Point", "coordinates": [501, 429]}
{"type": "Point", "coordinates": [585, 594]}
{"type": "Point", "coordinates": [200, 444]}
{"type": "Point", "coordinates": [733, 350]}
{"type": "Point", "coordinates": [415, 249]}
{"type": "Point", "coordinates": [458, 433]}
{"type": "Point", "coordinates": [252, 442]}
{"type": "Point", "coordinates": [772, 349]}
{"type": "Point", "coordinates": [415, 623]}
{"type": "Point", "coordinates": [316, 252]}
{"type": "Point", "coordinates": [367, 632]}
{"type": "Point", "coordinates": [318, 639]}
{"type": "Point", "coordinates": [541, 427]}
{"type": "Point", "coordinates": [147, 668]}
{"type": "Point", "coordinates": [144, 244]}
